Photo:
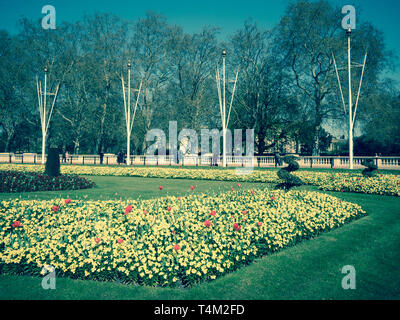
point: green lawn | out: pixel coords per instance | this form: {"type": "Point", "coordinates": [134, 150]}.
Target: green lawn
{"type": "Point", "coordinates": [115, 188]}
{"type": "Point", "coordinates": [309, 270]}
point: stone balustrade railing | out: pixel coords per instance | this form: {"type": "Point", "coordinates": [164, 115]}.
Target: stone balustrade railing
{"type": "Point", "coordinates": [232, 161]}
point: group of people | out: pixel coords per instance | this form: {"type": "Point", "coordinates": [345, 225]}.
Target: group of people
{"type": "Point", "coordinates": [66, 157]}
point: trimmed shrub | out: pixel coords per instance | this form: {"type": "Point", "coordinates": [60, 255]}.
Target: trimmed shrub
{"type": "Point", "coordinates": [371, 169]}
{"type": "Point", "coordinates": [284, 174]}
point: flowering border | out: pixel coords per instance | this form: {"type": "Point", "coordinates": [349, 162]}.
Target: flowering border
{"type": "Point", "coordinates": [170, 241]}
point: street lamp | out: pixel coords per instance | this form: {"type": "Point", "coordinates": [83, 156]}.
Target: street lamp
{"type": "Point", "coordinates": [222, 103]}
{"type": "Point", "coordinates": [348, 32]}
{"type": "Point", "coordinates": [129, 118]}
{"type": "Point", "coordinates": [352, 114]}
{"type": "Point", "coordinates": [45, 115]}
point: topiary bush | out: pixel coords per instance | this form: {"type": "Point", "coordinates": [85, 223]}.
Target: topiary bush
{"type": "Point", "coordinates": [52, 168]}
{"type": "Point", "coordinates": [284, 174]}
{"type": "Point", "coordinates": [371, 169]}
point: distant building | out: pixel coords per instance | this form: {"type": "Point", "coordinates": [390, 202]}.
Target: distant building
{"type": "Point", "coordinates": [337, 144]}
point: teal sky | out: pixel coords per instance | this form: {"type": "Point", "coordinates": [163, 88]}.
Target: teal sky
{"type": "Point", "coordinates": [229, 15]}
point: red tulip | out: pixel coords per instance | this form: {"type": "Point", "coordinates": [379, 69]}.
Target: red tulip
{"type": "Point", "coordinates": [97, 240]}
{"type": "Point", "coordinates": [176, 247]}
{"type": "Point", "coordinates": [120, 240]}
{"type": "Point", "coordinates": [272, 198]}
{"type": "Point", "coordinates": [244, 211]}
{"type": "Point", "coordinates": [160, 187]}
{"type": "Point", "coordinates": [239, 185]}
{"type": "Point", "coordinates": [128, 209]}
{"type": "Point", "coordinates": [192, 187]}
{"type": "Point", "coordinates": [54, 208]}
{"type": "Point", "coordinates": [236, 226]}
{"type": "Point", "coordinates": [259, 224]}
{"type": "Point", "coordinates": [67, 201]}
{"type": "Point", "coordinates": [16, 224]}
{"type": "Point", "coordinates": [207, 223]}
{"type": "Point", "coordinates": [169, 208]}
{"type": "Point", "coordinates": [213, 213]}
{"type": "Point", "coordinates": [252, 192]}
{"type": "Point", "coordinates": [145, 211]}
{"type": "Point", "coordinates": [179, 198]}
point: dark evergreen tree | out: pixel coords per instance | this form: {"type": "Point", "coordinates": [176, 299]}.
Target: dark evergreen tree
{"type": "Point", "coordinates": [52, 168]}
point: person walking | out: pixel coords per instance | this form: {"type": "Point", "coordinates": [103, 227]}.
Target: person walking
{"type": "Point", "coordinates": [119, 157]}
{"type": "Point", "coordinates": [101, 157]}
{"type": "Point", "coordinates": [276, 157]}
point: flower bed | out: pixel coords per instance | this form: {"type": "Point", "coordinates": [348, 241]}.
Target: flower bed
{"type": "Point", "coordinates": [384, 184]}
{"type": "Point", "coordinates": [167, 241]}
{"type": "Point", "coordinates": [14, 181]}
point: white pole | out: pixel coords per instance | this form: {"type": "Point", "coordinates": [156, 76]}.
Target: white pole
{"type": "Point", "coordinates": [359, 88]}
{"type": "Point", "coordinates": [129, 118]}
{"type": "Point", "coordinates": [128, 131]}
{"type": "Point", "coordinates": [350, 102]}
{"type": "Point", "coordinates": [339, 83]}
{"type": "Point", "coordinates": [44, 117]}
{"type": "Point", "coordinates": [223, 116]}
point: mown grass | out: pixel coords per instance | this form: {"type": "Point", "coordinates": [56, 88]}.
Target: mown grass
{"type": "Point", "coordinates": [309, 270]}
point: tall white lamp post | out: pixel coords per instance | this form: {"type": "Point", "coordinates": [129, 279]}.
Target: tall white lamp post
{"type": "Point", "coordinates": [129, 117]}
{"type": "Point", "coordinates": [222, 102]}
{"type": "Point", "coordinates": [45, 114]}
{"type": "Point", "coordinates": [352, 113]}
